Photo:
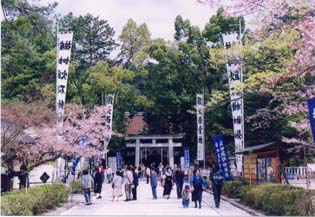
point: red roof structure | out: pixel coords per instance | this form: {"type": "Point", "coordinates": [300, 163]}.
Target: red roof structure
{"type": "Point", "coordinates": [136, 124]}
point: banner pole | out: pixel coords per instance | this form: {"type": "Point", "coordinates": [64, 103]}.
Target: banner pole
{"type": "Point", "coordinates": [203, 127]}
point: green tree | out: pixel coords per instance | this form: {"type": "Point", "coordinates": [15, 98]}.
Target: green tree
{"type": "Point", "coordinates": [219, 24]}
{"type": "Point", "coordinates": [26, 36]}
{"type": "Point", "coordinates": [181, 28]}
{"type": "Point", "coordinates": [133, 39]}
{"type": "Point", "coordinates": [93, 41]}
{"type": "Point", "coordinates": [93, 38]}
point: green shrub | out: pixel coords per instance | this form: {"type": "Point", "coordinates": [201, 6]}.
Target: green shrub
{"type": "Point", "coordinates": [243, 191]}
{"type": "Point", "coordinates": [77, 187]}
{"type": "Point", "coordinates": [278, 199]}
{"type": "Point", "coordinates": [34, 200]}
{"type": "Point", "coordinates": [232, 189]}
{"type": "Point", "coordinates": [275, 199]}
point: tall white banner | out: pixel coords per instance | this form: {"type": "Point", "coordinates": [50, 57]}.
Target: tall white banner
{"type": "Point", "coordinates": [108, 119]}
{"type": "Point", "coordinates": [235, 77]}
{"type": "Point", "coordinates": [64, 45]}
{"type": "Point", "coordinates": [200, 127]}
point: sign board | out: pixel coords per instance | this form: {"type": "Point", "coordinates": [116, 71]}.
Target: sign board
{"type": "Point", "coordinates": [44, 177]}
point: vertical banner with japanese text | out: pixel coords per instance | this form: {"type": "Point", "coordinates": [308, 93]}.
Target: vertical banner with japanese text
{"type": "Point", "coordinates": [200, 126]}
{"type": "Point", "coordinates": [311, 108]}
{"type": "Point", "coordinates": [186, 157]}
{"type": "Point", "coordinates": [118, 159]}
{"type": "Point", "coordinates": [234, 72]}
{"type": "Point", "coordinates": [222, 156]}
{"type": "Point", "coordinates": [108, 119]}
{"type": "Point", "coordinates": [64, 45]}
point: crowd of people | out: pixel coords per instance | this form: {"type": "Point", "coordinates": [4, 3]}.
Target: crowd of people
{"type": "Point", "coordinates": [127, 181]}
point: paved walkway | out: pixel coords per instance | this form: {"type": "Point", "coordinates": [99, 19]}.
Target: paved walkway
{"type": "Point", "coordinates": [146, 206]}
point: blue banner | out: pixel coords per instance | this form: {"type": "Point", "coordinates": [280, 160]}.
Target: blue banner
{"type": "Point", "coordinates": [83, 141]}
{"type": "Point", "coordinates": [186, 157]}
{"type": "Point", "coordinates": [118, 159]}
{"type": "Point", "coordinates": [311, 108]}
{"type": "Point", "coordinates": [75, 162]}
{"type": "Point", "coordinates": [222, 156]}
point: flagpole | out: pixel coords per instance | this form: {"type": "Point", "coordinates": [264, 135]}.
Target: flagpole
{"type": "Point", "coordinates": [203, 127]}
{"type": "Point", "coordinates": [57, 120]}
{"type": "Point", "coordinates": [241, 78]}
{"type": "Point", "coordinates": [57, 52]}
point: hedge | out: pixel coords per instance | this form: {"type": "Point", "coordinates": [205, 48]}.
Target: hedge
{"type": "Point", "coordinates": [275, 199]}
{"type": "Point", "coordinates": [233, 189]}
{"type": "Point", "coordinates": [34, 200]}
{"type": "Point", "coordinates": [77, 187]}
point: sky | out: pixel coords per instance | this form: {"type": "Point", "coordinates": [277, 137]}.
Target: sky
{"type": "Point", "coordinates": [159, 15]}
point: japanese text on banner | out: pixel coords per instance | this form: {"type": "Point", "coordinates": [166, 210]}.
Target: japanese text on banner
{"type": "Point", "coordinates": [108, 119]}
{"type": "Point", "coordinates": [222, 156]}
{"type": "Point", "coordinates": [118, 159]}
{"type": "Point", "coordinates": [64, 45]}
{"type": "Point", "coordinates": [234, 72]}
{"type": "Point", "coordinates": [200, 127]}
{"type": "Point", "coordinates": [186, 157]}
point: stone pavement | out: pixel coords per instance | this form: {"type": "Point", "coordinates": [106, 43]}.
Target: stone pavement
{"type": "Point", "coordinates": [146, 206]}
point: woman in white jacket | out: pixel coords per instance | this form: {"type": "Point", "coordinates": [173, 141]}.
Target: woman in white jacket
{"type": "Point", "coordinates": [117, 186]}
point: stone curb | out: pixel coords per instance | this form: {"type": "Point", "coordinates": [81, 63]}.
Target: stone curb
{"type": "Point", "coordinates": [240, 206]}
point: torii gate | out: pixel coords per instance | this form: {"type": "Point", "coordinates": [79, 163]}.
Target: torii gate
{"type": "Point", "coordinates": [170, 144]}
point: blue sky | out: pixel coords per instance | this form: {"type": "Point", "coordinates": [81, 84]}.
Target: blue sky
{"type": "Point", "coordinates": [159, 15]}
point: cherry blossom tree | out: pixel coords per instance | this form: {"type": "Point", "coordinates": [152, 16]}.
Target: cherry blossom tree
{"type": "Point", "coordinates": [16, 117]}
{"type": "Point", "coordinates": [281, 22]}
{"type": "Point", "coordinates": [29, 133]}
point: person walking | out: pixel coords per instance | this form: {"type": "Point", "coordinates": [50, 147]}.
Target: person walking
{"type": "Point", "coordinates": [147, 173]}
{"type": "Point", "coordinates": [117, 186]}
{"type": "Point", "coordinates": [179, 180]}
{"type": "Point", "coordinates": [98, 181]}
{"type": "Point", "coordinates": [135, 183]}
{"type": "Point", "coordinates": [86, 185]}
{"type": "Point", "coordinates": [185, 196]}
{"type": "Point", "coordinates": [168, 183]}
{"type": "Point", "coordinates": [153, 181]}
{"type": "Point", "coordinates": [128, 179]}
{"type": "Point", "coordinates": [23, 177]}
{"type": "Point", "coordinates": [197, 188]}
{"type": "Point", "coordinates": [217, 178]}
{"type": "Point", "coordinates": [109, 175]}
{"type": "Point", "coordinates": [102, 169]}
{"type": "Point", "coordinates": [142, 171]}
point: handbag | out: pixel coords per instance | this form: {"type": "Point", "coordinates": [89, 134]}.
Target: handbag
{"type": "Point", "coordinates": [113, 185]}
{"type": "Point", "coordinates": [132, 186]}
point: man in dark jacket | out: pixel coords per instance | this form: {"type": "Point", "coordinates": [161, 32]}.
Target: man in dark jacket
{"type": "Point", "coordinates": [135, 183]}
{"type": "Point", "coordinates": [179, 180]}
{"type": "Point", "coordinates": [98, 181]}
{"type": "Point", "coordinates": [153, 180]}
{"type": "Point", "coordinates": [217, 179]}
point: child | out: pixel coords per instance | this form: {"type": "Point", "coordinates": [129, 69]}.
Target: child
{"type": "Point", "coordinates": [87, 185]}
{"type": "Point", "coordinates": [186, 196]}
